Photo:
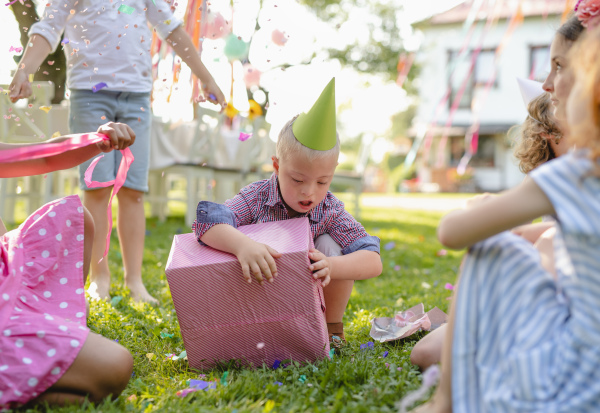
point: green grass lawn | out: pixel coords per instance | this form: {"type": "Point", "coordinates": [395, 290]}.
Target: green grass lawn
{"type": "Point", "coordinates": [354, 381]}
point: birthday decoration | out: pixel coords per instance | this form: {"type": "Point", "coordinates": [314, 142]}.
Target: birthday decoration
{"type": "Point", "coordinates": [316, 129]}
{"type": "Point", "coordinates": [99, 86]}
{"type": "Point", "coordinates": [530, 89]}
{"type": "Point", "coordinates": [216, 26]}
{"type": "Point", "coordinates": [123, 8]}
{"type": "Point", "coordinates": [235, 48]}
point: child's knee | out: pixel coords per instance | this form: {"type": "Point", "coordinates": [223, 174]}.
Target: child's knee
{"type": "Point", "coordinates": [328, 246]}
{"type": "Point", "coordinates": [424, 355]}
{"type": "Point", "coordinates": [118, 368]}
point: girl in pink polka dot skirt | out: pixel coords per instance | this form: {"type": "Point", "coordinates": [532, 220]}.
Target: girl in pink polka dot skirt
{"type": "Point", "coordinates": [47, 354]}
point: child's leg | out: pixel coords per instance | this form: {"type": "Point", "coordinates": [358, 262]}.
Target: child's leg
{"type": "Point", "coordinates": [96, 201]}
{"type": "Point", "coordinates": [337, 293]}
{"type": "Point", "coordinates": [428, 350]}
{"type": "Point", "coordinates": [131, 224]}
{"type": "Point", "coordinates": [101, 369]}
{"type": "Point", "coordinates": [88, 241]}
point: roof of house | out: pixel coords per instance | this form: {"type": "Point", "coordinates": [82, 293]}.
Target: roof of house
{"type": "Point", "coordinates": [530, 8]}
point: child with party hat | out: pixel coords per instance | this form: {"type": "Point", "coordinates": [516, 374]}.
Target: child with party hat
{"type": "Point", "coordinates": [306, 157]}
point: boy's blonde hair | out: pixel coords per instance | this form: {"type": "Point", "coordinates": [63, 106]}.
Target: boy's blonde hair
{"type": "Point", "coordinates": [532, 148]}
{"type": "Point", "coordinates": [584, 61]}
{"type": "Point", "coordinates": [287, 144]}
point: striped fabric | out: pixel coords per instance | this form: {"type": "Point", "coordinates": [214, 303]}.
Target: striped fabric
{"type": "Point", "coordinates": [222, 317]}
{"type": "Point", "coordinates": [261, 202]}
{"type": "Point", "coordinates": [522, 341]}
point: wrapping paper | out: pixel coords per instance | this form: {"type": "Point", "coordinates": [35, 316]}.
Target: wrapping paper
{"type": "Point", "coordinates": [224, 318]}
{"type": "Point", "coordinates": [406, 323]}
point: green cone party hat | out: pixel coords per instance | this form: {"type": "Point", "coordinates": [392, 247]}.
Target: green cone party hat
{"type": "Point", "coordinates": [316, 128]}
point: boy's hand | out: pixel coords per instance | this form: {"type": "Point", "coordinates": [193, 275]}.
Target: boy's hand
{"type": "Point", "coordinates": [321, 267]}
{"type": "Point", "coordinates": [213, 94]}
{"type": "Point", "coordinates": [121, 136]}
{"type": "Point", "coordinates": [257, 259]}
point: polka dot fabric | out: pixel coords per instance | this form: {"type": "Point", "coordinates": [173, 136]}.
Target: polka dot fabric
{"type": "Point", "coordinates": [42, 300]}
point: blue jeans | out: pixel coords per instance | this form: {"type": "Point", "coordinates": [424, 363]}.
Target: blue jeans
{"type": "Point", "coordinates": [89, 110]}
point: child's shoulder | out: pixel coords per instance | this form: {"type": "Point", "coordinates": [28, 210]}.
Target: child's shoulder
{"type": "Point", "coordinates": [264, 185]}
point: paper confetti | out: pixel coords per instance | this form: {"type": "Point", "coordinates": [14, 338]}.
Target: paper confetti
{"type": "Point", "coordinates": [331, 353]}
{"type": "Point", "coordinates": [279, 383]}
{"type": "Point", "coordinates": [64, 41]}
{"type": "Point", "coordinates": [116, 299]}
{"type": "Point", "coordinates": [126, 9]}
{"type": "Point", "coordinates": [8, 4]}
{"type": "Point", "coordinates": [425, 285]}
{"type": "Point", "coordinates": [203, 385]}
{"type": "Point", "coordinates": [385, 354]}
{"type": "Point", "coordinates": [366, 346]}
{"type": "Point", "coordinates": [269, 405]}
{"type": "Point", "coordinates": [166, 335]}
{"type": "Point", "coordinates": [46, 108]}
{"type": "Point", "coordinates": [449, 286]}
{"type": "Point", "coordinates": [302, 378]}
{"type": "Point", "coordinates": [441, 253]}
{"type": "Point", "coordinates": [150, 356]}
{"type": "Point", "coordinates": [15, 49]}
{"type": "Point", "coordinates": [224, 378]}
{"type": "Point", "coordinates": [390, 245]}
{"type": "Point", "coordinates": [30, 78]}
{"type": "Point", "coordinates": [99, 86]}
{"type": "Point", "coordinates": [245, 136]}
{"type": "Point", "coordinates": [260, 345]}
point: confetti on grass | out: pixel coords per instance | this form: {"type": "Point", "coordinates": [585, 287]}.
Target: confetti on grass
{"type": "Point", "coordinates": [99, 86]}
{"type": "Point", "coordinates": [224, 378]}
{"type": "Point", "coordinates": [126, 9]}
{"type": "Point", "coordinates": [15, 49]}
{"type": "Point", "coordinates": [8, 4]}
{"type": "Point", "coordinates": [390, 245]}
{"type": "Point", "coordinates": [64, 41]}
{"type": "Point", "coordinates": [441, 253]}
{"type": "Point", "coordinates": [366, 346]}
{"type": "Point", "coordinates": [245, 136]}
{"type": "Point", "coordinates": [46, 108]}
{"type": "Point", "coordinates": [449, 286]}
{"type": "Point", "coordinates": [166, 335]}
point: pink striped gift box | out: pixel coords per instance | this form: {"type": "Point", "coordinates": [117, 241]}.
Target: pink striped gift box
{"type": "Point", "coordinates": [223, 318]}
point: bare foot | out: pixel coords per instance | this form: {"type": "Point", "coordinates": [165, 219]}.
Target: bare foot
{"type": "Point", "coordinates": [139, 293]}
{"type": "Point", "coordinates": [99, 288]}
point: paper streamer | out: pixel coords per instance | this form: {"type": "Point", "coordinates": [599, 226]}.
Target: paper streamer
{"type": "Point", "coordinates": [30, 152]}
{"type": "Point", "coordinates": [118, 182]}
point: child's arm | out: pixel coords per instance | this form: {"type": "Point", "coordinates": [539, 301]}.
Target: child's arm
{"type": "Point", "coordinates": [532, 232]}
{"type": "Point", "coordinates": [490, 215]}
{"type": "Point", "coordinates": [254, 257]}
{"type": "Point", "coordinates": [36, 51]}
{"type": "Point", "coordinates": [358, 265]}
{"type": "Point", "coordinates": [120, 134]}
{"type": "Point", "coordinates": [183, 46]}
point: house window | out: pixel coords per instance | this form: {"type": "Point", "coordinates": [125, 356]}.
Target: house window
{"type": "Point", "coordinates": [485, 68]}
{"type": "Point", "coordinates": [457, 77]}
{"type": "Point", "coordinates": [539, 62]}
{"type": "Point", "coordinates": [486, 150]}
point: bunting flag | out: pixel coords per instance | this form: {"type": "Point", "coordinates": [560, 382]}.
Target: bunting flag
{"type": "Point", "coordinates": [472, 136]}
{"type": "Point", "coordinates": [426, 137]}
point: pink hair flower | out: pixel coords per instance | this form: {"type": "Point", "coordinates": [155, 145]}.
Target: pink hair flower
{"type": "Point", "coordinates": [588, 13]}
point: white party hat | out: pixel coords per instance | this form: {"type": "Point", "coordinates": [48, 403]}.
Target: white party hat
{"type": "Point", "coordinates": [530, 89]}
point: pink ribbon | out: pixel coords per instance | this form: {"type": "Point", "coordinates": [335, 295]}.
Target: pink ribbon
{"type": "Point", "coordinates": [26, 153]}
{"type": "Point", "coordinates": [118, 182]}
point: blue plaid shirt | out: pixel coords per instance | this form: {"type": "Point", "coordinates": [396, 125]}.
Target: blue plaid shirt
{"type": "Point", "coordinates": [261, 202]}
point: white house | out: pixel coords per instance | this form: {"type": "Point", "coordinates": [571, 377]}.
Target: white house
{"type": "Point", "coordinates": [525, 54]}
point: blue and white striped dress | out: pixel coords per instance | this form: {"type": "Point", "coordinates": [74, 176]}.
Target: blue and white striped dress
{"type": "Point", "coordinates": [523, 342]}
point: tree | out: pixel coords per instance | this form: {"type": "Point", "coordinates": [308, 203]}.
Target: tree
{"type": "Point", "coordinates": [56, 70]}
{"type": "Point", "coordinates": [379, 53]}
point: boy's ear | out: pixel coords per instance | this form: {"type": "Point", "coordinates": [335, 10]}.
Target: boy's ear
{"type": "Point", "coordinates": [275, 164]}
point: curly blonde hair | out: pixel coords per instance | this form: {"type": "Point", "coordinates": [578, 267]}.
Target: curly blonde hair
{"type": "Point", "coordinates": [584, 58]}
{"type": "Point", "coordinates": [532, 147]}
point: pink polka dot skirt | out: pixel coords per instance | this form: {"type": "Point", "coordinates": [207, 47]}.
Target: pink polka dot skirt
{"type": "Point", "coordinates": [42, 300]}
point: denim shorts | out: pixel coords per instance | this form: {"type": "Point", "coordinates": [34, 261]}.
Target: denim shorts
{"type": "Point", "coordinates": [89, 110]}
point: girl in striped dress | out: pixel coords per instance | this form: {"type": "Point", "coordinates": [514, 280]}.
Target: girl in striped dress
{"type": "Point", "coordinates": [521, 340]}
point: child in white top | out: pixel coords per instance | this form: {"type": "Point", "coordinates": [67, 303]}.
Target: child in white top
{"type": "Point", "coordinates": [109, 72]}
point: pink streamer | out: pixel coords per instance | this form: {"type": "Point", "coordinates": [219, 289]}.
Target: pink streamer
{"type": "Point", "coordinates": [118, 182]}
{"type": "Point", "coordinates": [30, 152]}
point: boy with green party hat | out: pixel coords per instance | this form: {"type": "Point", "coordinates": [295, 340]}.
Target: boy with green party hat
{"type": "Point", "coordinates": [306, 157]}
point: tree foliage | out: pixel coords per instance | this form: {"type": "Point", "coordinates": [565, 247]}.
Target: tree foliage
{"type": "Point", "coordinates": [379, 53]}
